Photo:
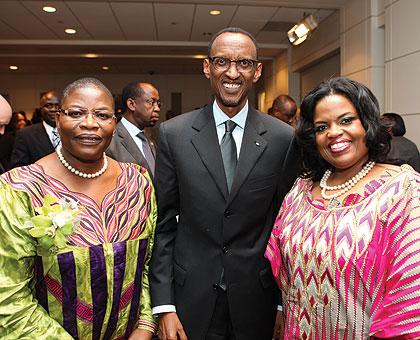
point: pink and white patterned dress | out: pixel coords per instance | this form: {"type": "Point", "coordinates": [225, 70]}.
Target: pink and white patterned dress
{"type": "Point", "coordinates": [352, 272]}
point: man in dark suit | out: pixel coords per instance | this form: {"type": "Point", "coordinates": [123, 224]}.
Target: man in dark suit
{"type": "Point", "coordinates": [141, 107]}
{"type": "Point", "coordinates": [38, 140]}
{"type": "Point", "coordinates": [223, 170]}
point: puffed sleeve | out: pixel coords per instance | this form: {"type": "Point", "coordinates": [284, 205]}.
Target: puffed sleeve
{"type": "Point", "coordinates": [397, 306]}
{"type": "Point", "coordinates": [21, 317]}
{"type": "Point", "coordinates": [146, 320]}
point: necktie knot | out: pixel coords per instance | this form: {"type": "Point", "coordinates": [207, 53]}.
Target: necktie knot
{"type": "Point", "coordinates": [230, 126]}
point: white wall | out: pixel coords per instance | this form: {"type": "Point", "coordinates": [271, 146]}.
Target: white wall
{"type": "Point", "coordinates": [24, 90]}
{"type": "Point", "coordinates": [402, 63]}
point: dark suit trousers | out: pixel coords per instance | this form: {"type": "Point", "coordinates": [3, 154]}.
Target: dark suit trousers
{"type": "Point", "coordinates": [221, 325]}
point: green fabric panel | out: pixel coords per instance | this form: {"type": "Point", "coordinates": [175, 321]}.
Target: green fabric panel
{"type": "Point", "coordinates": [21, 316]}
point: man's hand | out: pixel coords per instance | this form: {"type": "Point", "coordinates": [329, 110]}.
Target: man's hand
{"type": "Point", "coordinates": [170, 328]}
{"type": "Point", "coordinates": [140, 334]}
{"type": "Point", "coordinates": [278, 332]}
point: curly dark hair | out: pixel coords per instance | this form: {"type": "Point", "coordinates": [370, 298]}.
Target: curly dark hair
{"type": "Point", "coordinates": [377, 138]}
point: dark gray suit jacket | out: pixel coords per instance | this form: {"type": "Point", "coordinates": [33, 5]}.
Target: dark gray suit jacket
{"type": "Point", "coordinates": [124, 149]}
{"type": "Point", "coordinates": [216, 229]}
{"type": "Point", "coordinates": [31, 143]}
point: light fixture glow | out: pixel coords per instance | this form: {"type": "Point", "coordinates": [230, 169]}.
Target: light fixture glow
{"type": "Point", "coordinates": [199, 56]}
{"type": "Point", "coordinates": [13, 67]}
{"type": "Point", "coordinates": [215, 12]}
{"type": "Point", "coordinates": [49, 9]}
{"type": "Point", "coordinates": [105, 68]}
{"type": "Point", "coordinates": [70, 31]}
{"type": "Point", "coordinates": [91, 55]}
{"type": "Point", "coordinates": [302, 30]}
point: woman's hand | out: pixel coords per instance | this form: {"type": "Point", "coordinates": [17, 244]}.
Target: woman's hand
{"type": "Point", "coordinates": [278, 332]}
{"type": "Point", "coordinates": [140, 334]}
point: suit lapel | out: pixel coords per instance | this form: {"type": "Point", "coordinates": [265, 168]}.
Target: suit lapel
{"type": "Point", "coordinates": [128, 143]}
{"type": "Point", "coordinates": [206, 143]}
{"type": "Point", "coordinates": [252, 147]}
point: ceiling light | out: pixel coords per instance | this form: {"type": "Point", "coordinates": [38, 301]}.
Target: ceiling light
{"type": "Point", "coordinates": [70, 31]}
{"type": "Point", "coordinates": [105, 68]}
{"type": "Point", "coordinates": [215, 12]}
{"type": "Point", "coordinates": [302, 30]}
{"type": "Point", "coordinates": [13, 67]}
{"type": "Point", "coordinates": [49, 9]}
{"type": "Point", "coordinates": [91, 55]}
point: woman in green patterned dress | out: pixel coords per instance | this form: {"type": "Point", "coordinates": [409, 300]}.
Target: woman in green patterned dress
{"type": "Point", "coordinates": [76, 233]}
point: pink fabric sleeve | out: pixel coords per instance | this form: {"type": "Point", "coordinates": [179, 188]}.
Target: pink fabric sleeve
{"type": "Point", "coordinates": [397, 308]}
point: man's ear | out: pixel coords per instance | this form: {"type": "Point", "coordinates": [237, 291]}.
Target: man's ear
{"type": "Point", "coordinates": [131, 104]}
{"type": "Point", "coordinates": [258, 72]}
{"type": "Point", "coordinates": [206, 68]}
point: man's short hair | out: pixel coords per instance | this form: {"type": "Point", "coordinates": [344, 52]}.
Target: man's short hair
{"type": "Point", "coordinates": [131, 90]}
{"type": "Point", "coordinates": [396, 123]}
{"type": "Point", "coordinates": [232, 30]}
{"type": "Point", "coordinates": [280, 103]}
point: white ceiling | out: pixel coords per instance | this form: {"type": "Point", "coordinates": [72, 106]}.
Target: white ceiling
{"type": "Point", "coordinates": [134, 36]}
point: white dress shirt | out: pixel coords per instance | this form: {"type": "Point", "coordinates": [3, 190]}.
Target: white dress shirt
{"type": "Point", "coordinates": [133, 131]}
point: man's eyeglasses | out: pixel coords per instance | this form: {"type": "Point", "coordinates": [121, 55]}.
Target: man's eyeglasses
{"type": "Point", "coordinates": [242, 65]}
{"type": "Point", "coordinates": [153, 102]}
{"type": "Point", "coordinates": [78, 115]}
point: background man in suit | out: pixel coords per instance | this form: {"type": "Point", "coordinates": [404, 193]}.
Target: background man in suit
{"type": "Point", "coordinates": [141, 107]}
{"type": "Point", "coordinates": [284, 108]}
{"type": "Point", "coordinates": [5, 116]}
{"type": "Point", "coordinates": [403, 150]}
{"type": "Point", "coordinates": [38, 140]}
{"type": "Point", "coordinates": [209, 278]}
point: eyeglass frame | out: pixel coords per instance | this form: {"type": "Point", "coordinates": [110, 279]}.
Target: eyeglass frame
{"type": "Point", "coordinates": [86, 113]}
{"type": "Point", "coordinates": [253, 62]}
{"type": "Point", "coordinates": [152, 102]}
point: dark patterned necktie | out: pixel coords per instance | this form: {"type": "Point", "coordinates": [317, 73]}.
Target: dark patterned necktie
{"type": "Point", "coordinates": [229, 156]}
{"type": "Point", "coordinates": [55, 138]}
{"type": "Point", "coordinates": [147, 151]}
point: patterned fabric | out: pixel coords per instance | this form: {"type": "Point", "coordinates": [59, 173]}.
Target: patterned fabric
{"type": "Point", "coordinates": [351, 272]}
{"type": "Point", "coordinates": [96, 288]}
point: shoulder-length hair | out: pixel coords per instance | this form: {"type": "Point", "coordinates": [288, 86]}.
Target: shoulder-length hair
{"type": "Point", "coordinates": [377, 138]}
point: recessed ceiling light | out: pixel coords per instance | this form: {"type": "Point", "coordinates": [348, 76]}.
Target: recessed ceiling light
{"type": "Point", "coordinates": [49, 9]}
{"type": "Point", "coordinates": [70, 31]}
{"type": "Point", "coordinates": [13, 67]}
{"type": "Point", "coordinates": [91, 55]}
{"type": "Point", "coordinates": [215, 12]}
{"type": "Point", "coordinates": [105, 68]}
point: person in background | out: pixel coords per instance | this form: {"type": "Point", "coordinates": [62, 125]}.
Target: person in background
{"type": "Point", "coordinates": [221, 173]}
{"type": "Point", "coordinates": [141, 107]}
{"type": "Point", "coordinates": [5, 117]}
{"type": "Point", "coordinates": [402, 150]}
{"type": "Point", "coordinates": [7, 140]}
{"type": "Point", "coordinates": [76, 233]}
{"type": "Point", "coordinates": [284, 108]}
{"type": "Point", "coordinates": [38, 140]}
{"type": "Point", "coordinates": [345, 245]}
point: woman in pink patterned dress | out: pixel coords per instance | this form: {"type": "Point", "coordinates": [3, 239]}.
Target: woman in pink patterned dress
{"type": "Point", "coordinates": [345, 247]}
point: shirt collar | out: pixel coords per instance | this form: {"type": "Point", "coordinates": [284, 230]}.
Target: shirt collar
{"type": "Point", "coordinates": [48, 127]}
{"type": "Point", "coordinates": [131, 128]}
{"type": "Point", "coordinates": [220, 117]}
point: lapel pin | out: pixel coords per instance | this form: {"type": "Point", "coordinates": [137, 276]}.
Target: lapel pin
{"type": "Point", "coordinates": [257, 144]}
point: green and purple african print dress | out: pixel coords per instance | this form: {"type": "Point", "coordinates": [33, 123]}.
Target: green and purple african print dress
{"type": "Point", "coordinates": [97, 287]}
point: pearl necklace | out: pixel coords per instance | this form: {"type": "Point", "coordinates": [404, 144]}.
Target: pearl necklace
{"type": "Point", "coordinates": [79, 173]}
{"type": "Point", "coordinates": [343, 188]}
